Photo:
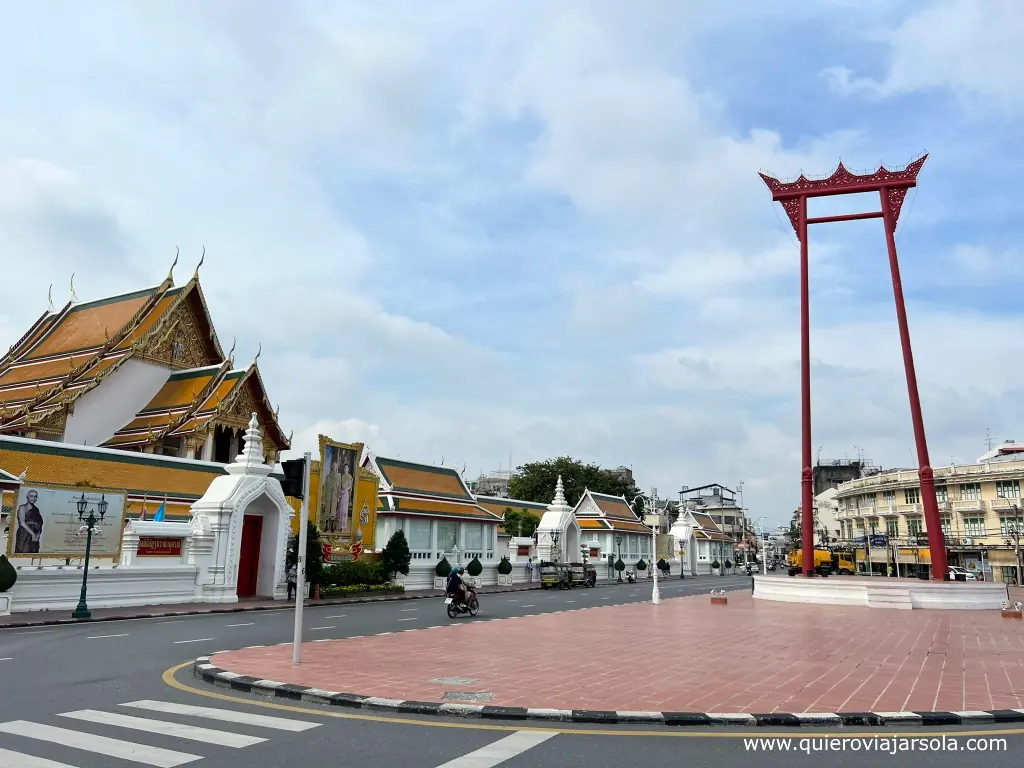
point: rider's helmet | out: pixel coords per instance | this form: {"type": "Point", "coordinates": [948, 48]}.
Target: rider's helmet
{"type": "Point", "coordinates": [461, 571]}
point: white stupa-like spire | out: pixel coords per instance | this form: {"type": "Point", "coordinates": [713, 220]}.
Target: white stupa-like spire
{"type": "Point", "coordinates": [250, 460]}
{"type": "Point", "coordinates": [559, 494]}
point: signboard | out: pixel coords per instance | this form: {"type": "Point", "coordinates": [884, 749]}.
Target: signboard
{"type": "Point", "coordinates": [344, 502]}
{"type": "Point", "coordinates": [45, 522]}
{"type": "Point", "coordinates": [878, 540]}
{"type": "Point", "coordinates": [159, 546]}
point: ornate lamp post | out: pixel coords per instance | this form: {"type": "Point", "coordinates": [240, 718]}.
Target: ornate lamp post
{"type": "Point", "coordinates": [556, 553]}
{"type": "Point", "coordinates": [618, 551]}
{"type": "Point", "coordinates": [82, 609]}
{"type": "Point", "coordinates": [651, 505]}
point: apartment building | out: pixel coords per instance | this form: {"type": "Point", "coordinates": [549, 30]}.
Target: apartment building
{"type": "Point", "coordinates": [980, 508]}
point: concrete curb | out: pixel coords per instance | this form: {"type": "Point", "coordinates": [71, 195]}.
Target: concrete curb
{"type": "Point", "coordinates": [208, 673]}
{"type": "Point", "coordinates": [236, 608]}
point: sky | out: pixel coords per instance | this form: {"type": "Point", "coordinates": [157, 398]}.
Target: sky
{"type": "Point", "coordinates": [468, 231]}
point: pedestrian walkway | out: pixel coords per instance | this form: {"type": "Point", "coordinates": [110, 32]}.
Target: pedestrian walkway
{"type": "Point", "coordinates": [745, 657]}
{"type": "Point", "coordinates": [22, 740]}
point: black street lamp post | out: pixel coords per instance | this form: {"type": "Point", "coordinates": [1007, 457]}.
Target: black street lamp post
{"type": "Point", "coordinates": [82, 610]}
{"type": "Point", "coordinates": [618, 549]}
{"type": "Point", "coordinates": [1014, 532]}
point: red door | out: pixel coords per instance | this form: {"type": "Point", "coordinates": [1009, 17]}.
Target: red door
{"type": "Point", "coordinates": [249, 555]}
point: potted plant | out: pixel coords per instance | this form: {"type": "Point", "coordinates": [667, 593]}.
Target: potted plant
{"type": "Point", "coordinates": [620, 567]}
{"type": "Point", "coordinates": [641, 567]}
{"type": "Point", "coordinates": [8, 575]}
{"type": "Point", "coordinates": [474, 569]}
{"type": "Point", "coordinates": [441, 572]}
{"type": "Point", "coordinates": [728, 564]}
{"type": "Point", "coordinates": [663, 566]}
{"type": "Point", "coordinates": [716, 566]}
{"type": "Point", "coordinates": [505, 572]}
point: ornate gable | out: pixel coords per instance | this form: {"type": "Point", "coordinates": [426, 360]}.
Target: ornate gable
{"type": "Point", "coordinates": [178, 342]}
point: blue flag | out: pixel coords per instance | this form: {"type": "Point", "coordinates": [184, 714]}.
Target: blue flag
{"type": "Point", "coordinates": [158, 517]}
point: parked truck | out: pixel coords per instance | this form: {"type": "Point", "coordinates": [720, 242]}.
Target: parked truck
{"type": "Point", "coordinates": [839, 561]}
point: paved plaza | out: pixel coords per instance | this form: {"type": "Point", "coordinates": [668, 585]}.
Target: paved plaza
{"type": "Point", "coordinates": [684, 655]}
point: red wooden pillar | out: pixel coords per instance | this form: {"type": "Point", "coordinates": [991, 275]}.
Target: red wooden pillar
{"type": "Point", "coordinates": [806, 474]}
{"type": "Point", "coordinates": [936, 539]}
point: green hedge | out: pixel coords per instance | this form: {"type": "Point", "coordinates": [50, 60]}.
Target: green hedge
{"type": "Point", "coordinates": [352, 572]}
{"type": "Point", "coordinates": [361, 589]}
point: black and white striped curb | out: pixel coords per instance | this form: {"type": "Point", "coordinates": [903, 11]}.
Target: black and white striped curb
{"type": "Point", "coordinates": [207, 672]}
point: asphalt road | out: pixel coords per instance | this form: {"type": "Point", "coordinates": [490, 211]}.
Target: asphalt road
{"type": "Point", "coordinates": [65, 693]}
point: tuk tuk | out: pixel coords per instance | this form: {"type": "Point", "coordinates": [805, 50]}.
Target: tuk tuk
{"type": "Point", "coordinates": [589, 575]}
{"type": "Point", "coordinates": [577, 575]}
{"type": "Point", "coordinates": [554, 576]}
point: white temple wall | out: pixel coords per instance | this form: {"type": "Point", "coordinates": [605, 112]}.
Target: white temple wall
{"type": "Point", "coordinates": [98, 414]}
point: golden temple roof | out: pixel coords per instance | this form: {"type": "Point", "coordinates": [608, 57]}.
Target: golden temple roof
{"type": "Point", "coordinates": [67, 353]}
{"type": "Point", "coordinates": [423, 478]}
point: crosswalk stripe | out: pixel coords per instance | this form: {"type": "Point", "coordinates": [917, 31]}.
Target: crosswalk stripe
{"type": "Point", "coordinates": [177, 730]}
{"type": "Point", "coordinates": [10, 759]}
{"type": "Point", "coordinates": [501, 750]}
{"type": "Point", "coordinates": [125, 750]}
{"type": "Point", "coordinates": [224, 715]}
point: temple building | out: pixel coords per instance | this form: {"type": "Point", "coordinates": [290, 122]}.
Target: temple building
{"type": "Point", "coordinates": [143, 371]}
{"type": "Point", "coordinates": [131, 393]}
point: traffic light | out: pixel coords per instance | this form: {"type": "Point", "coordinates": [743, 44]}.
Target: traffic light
{"type": "Point", "coordinates": [294, 476]}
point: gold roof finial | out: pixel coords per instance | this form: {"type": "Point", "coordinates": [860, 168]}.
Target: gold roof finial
{"type": "Point", "coordinates": [170, 273]}
{"type": "Point", "coordinates": [74, 296]}
{"type": "Point", "coordinates": [201, 260]}
{"type": "Point", "coordinates": [231, 354]}
{"type": "Point", "coordinates": [277, 410]}
{"type": "Point", "coordinates": [290, 435]}
{"type": "Point", "coordinates": [259, 351]}
{"type": "Point", "coordinates": [49, 299]}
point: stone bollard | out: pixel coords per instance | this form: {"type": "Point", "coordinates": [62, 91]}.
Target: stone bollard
{"type": "Point", "coordinates": [1013, 613]}
{"type": "Point", "coordinates": [718, 597]}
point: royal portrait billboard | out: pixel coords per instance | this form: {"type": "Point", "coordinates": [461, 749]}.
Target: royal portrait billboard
{"type": "Point", "coordinates": [45, 522]}
{"type": "Point", "coordinates": [343, 499]}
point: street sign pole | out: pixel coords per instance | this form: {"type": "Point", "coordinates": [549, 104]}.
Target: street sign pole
{"type": "Point", "coordinates": [300, 566]}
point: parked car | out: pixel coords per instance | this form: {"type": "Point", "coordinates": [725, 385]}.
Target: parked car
{"type": "Point", "coordinates": [955, 570]}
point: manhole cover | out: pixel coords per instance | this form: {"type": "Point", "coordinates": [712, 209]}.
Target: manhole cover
{"type": "Point", "coordinates": [467, 696]}
{"type": "Point", "coordinates": [453, 680]}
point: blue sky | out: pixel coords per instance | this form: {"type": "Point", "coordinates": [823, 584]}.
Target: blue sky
{"type": "Point", "coordinates": [474, 229]}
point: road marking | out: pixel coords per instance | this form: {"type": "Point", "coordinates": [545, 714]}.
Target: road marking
{"type": "Point", "coordinates": [177, 730]}
{"type": "Point", "coordinates": [247, 624]}
{"type": "Point", "coordinates": [513, 599]}
{"type": "Point", "coordinates": [223, 715]}
{"type": "Point", "coordinates": [7, 658]}
{"type": "Point", "coordinates": [339, 616]}
{"type": "Point", "coordinates": [10, 759]}
{"type": "Point", "coordinates": [608, 598]}
{"type": "Point", "coordinates": [406, 610]}
{"type": "Point", "coordinates": [104, 637]}
{"type": "Point", "coordinates": [317, 629]}
{"type": "Point", "coordinates": [101, 745]}
{"type": "Point", "coordinates": [573, 601]}
{"type": "Point", "coordinates": [197, 640]}
{"type": "Point", "coordinates": [528, 606]}
{"type": "Point", "coordinates": [35, 632]}
{"type": "Point", "coordinates": [411, 618]}
{"type": "Point", "coordinates": [500, 750]}
{"type": "Point", "coordinates": [176, 621]}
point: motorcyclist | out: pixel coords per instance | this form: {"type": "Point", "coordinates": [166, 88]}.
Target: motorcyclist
{"type": "Point", "coordinates": [456, 587]}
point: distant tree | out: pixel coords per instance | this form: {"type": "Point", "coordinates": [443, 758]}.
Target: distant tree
{"type": "Point", "coordinates": [536, 481]}
{"type": "Point", "coordinates": [395, 558]}
{"type": "Point", "coordinates": [512, 521]}
{"type": "Point", "coordinates": [528, 523]}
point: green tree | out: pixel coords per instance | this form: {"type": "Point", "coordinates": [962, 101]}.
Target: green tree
{"type": "Point", "coordinates": [396, 557]}
{"type": "Point", "coordinates": [512, 521]}
{"type": "Point", "coordinates": [314, 554]}
{"type": "Point", "coordinates": [8, 574]}
{"type": "Point", "coordinates": [536, 481]}
{"type": "Point", "coordinates": [504, 566]}
{"type": "Point", "coordinates": [528, 523]}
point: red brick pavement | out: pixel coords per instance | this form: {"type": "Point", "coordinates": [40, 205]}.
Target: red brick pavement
{"type": "Point", "coordinates": [683, 655]}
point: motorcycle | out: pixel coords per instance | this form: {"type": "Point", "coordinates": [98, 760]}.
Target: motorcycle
{"type": "Point", "coordinates": [631, 578]}
{"type": "Point", "coordinates": [457, 608]}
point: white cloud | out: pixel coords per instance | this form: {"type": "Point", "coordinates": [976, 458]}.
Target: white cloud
{"type": "Point", "coordinates": [971, 47]}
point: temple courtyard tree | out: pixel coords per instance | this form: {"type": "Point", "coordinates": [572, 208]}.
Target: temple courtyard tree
{"type": "Point", "coordinates": [536, 481]}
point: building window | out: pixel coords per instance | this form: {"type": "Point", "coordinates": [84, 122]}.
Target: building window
{"type": "Point", "coordinates": [1006, 524]}
{"type": "Point", "coordinates": [888, 498]}
{"type": "Point", "coordinates": [974, 526]}
{"type": "Point", "coordinates": [912, 495]}
{"type": "Point", "coordinates": [970, 492]}
{"type": "Point", "coordinates": [873, 523]}
{"type": "Point", "coordinates": [941, 494]}
{"type": "Point", "coordinates": [447, 535]}
{"type": "Point", "coordinates": [631, 540]}
{"type": "Point", "coordinates": [1007, 489]}
{"type": "Point", "coordinates": [869, 500]}
{"type": "Point", "coordinates": [892, 528]}
{"type": "Point", "coordinates": [944, 523]}
{"type": "Point", "coordinates": [418, 532]}
{"type": "Point", "coordinates": [914, 526]}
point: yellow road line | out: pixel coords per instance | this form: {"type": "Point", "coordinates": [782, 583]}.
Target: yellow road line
{"type": "Point", "coordinates": [172, 681]}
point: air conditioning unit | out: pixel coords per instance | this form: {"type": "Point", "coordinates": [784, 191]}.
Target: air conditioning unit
{"type": "Point", "coordinates": [968, 542]}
